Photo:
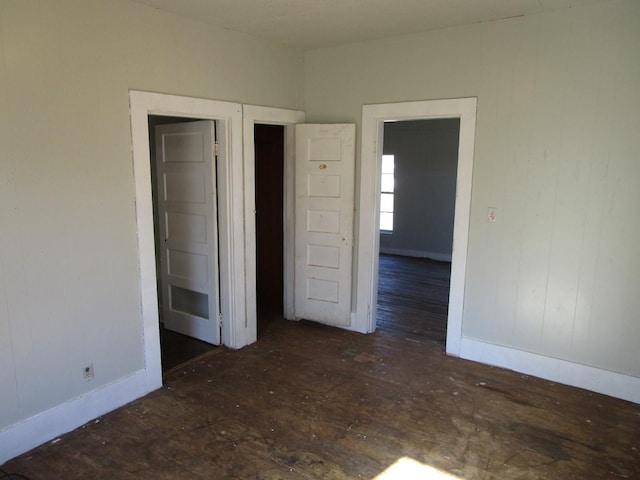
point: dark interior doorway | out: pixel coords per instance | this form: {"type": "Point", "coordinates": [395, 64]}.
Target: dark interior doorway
{"type": "Point", "coordinates": [269, 194]}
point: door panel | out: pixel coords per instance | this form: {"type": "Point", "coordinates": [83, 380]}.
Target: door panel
{"type": "Point", "coordinates": [325, 156]}
{"type": "Point", "coordinates": [187, 225]}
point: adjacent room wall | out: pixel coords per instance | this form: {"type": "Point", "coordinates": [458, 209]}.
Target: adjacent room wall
{"type": "Point", "coordinates": [426, 159]}
{"type": "Point", "coordinates": [556, 154]}
{"type": "Point", "coordinates": [69, 276]}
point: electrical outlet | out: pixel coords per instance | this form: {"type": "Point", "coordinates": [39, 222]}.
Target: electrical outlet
{"type": "Point", "coordinates": [87, 372]}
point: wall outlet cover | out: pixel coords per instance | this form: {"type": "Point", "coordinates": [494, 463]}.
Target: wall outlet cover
{"type": "Point", "coordinates": [87, 372]}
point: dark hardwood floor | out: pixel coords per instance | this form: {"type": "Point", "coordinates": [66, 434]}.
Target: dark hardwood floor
{"type": "Point", "coordinates": [177, 349]}
{"type": "Point", "coordinates": [412, 301]}
{"type": "Point", "coordinates": [413, 294]}
{"type": "Point", "coordinates": [313, 402]}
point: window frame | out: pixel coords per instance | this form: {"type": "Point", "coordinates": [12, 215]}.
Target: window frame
{"type": "Point", "coordinates": [389, 171]}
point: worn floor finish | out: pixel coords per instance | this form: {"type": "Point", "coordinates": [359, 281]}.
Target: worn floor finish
{"type": "Point", "coordinates": [311, 402]}
{"type": "Point", "coordinates": [413, 296]}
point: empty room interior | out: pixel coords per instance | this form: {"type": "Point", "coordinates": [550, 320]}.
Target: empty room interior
{"type": "Point", "coordinates": [296, 239]}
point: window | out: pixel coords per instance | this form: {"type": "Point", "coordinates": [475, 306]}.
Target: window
{"type": "Point", "coordinates": [386, 193]}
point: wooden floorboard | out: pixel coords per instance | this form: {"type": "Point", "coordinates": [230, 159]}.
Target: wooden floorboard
{"type": "Point", "coordinates": [413, 295]}
{"type": "Point", "coordinates": [313, 402]}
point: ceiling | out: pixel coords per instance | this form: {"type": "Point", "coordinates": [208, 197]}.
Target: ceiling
{"type": "Point", "coordinates": [312, 24]}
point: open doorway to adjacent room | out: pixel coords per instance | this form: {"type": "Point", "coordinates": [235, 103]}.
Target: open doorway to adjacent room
{"type": "Point", "coordinates": [417, 205]}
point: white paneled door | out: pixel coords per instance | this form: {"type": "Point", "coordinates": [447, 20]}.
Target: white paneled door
{"type": "Point", "coordinates": [186, 202]}
{"type": "Point", "coordinates": [325, 156]}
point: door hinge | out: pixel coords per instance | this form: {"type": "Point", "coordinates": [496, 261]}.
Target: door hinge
{"type": "Point", "coordinates": [220, 319]}
{"type": "Point", "coordinates": [216, 148]}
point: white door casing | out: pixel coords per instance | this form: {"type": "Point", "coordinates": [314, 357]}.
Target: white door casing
{"type": "Point", "coordinates": [228, 117]}
{"type": "Point", "coordinates": [252, 115]}
{"type": "Point", "coordinates": [187, 216]}
{"type": "Point", "coordinates": [324, 211]}
{"type": "Point", "coordinates": [373, 118]}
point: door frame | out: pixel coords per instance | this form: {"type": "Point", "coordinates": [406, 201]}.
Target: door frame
{"type": "Point", "coordinates": [253, 114]}
{"type": "Point", "coordinates": [366, 271]}
{"type": "Point", "coordinates": [228, 117]}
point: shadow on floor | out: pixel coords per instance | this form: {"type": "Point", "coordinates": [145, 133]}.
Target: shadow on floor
{"type": "Point", "coordinates": [177, 348]}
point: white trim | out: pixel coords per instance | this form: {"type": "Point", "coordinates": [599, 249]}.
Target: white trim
{"type": "Point", "coordinates": [288, 302]}
{"type": "Point", "coordinates": [407, 252]}
{"type": "Point", "coordinates": [274, 116]}
{"type": "Point", "coordinates": [373, 118]}
{"type": "Point", "coordinates": [595, 379]}
{"type": "Point", "coordinates": [45, 426]}
{"type": "Point", "coordinates": [228, 118]}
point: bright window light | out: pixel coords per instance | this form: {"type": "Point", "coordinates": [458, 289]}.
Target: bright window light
{"type": "Point", "coordinates": [387, 183]}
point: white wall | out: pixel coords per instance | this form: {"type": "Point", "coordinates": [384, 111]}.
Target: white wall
{"type": "Point", "coordinates": [426, 159]}
{"type": "Point", "coordinates": [556, 153]}
{"type": "Point", "coordinates": [69, 276]}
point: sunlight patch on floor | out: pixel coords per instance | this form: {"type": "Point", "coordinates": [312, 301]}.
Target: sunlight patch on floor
{"type": "Point", "coordinates": [407, 468]}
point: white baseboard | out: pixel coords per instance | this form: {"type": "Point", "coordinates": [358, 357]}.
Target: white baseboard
{"type": "Point", "coordinates": [43, 427]}
{"type": "Point", "coordinates": [405, 252]}
{"type": "Point", "coordinates": [595, 379]}
{"type": "Point", "coordinates": [30, 433]}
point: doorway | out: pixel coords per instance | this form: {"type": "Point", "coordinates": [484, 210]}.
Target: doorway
{"type": "Point", "coordinates": [285, 119]}
{"type": "Point", "coordinates": [373, 119]}
{"type": "Point", "coordinates": [228, 118]}
{"type": "Point", "coordinates": [417, 201]}
{"type": "Point", "coordinates": [175, 348]}
{"type": "Point", "coordinates": [269, 145]}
